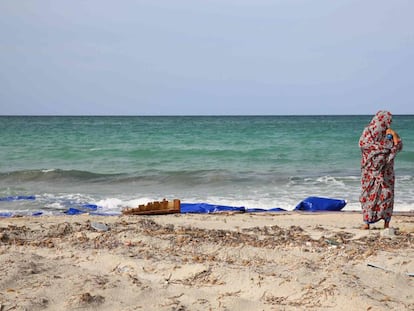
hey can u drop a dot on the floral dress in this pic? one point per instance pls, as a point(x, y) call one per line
point(377, 169)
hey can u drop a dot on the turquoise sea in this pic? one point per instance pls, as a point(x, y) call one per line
point(50, 164)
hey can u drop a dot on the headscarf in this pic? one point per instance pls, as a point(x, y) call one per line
point(374, 133)
point(373, 140)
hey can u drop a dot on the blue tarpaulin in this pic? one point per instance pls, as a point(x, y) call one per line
point(8, 214)
point(317, 204)
point(258, 210)
point(18, 197)
point(73, 211)
point(202, 208)
point(84, 208)
point(92, 207)
point(311, 204)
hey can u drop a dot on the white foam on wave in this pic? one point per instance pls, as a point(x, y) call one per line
point(49, 170)
point(398, 207)
point(330, 180)
point(116, 204)
point(109, 204)
point(263, 201)
point(404, 178)
point(257, 199)
point(55, 205)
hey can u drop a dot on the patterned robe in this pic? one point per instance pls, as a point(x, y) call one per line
point(377, 169)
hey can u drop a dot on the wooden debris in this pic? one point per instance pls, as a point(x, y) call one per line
point(155, 208)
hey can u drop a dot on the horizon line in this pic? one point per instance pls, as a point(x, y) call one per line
point(191, 115)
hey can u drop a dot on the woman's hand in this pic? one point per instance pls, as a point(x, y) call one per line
point(394, 134)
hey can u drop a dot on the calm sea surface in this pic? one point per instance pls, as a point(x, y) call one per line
point(251, 161)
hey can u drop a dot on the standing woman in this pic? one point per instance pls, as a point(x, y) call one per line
point(379, 144)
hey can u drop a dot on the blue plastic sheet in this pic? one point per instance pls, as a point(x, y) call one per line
point(317, 204)
point(18, 197)
point(311, 204)
point(8, 214)
point(258, 210)
point(84, 208)
point(73, 211)
point(92, 207)
point(202, 208)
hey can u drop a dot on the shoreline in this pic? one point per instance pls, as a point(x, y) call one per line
point(219, 261)
point(8, 214)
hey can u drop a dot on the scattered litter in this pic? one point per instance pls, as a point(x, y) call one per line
point(378, 267)
point(98, 226)
point(385, 269)
point(388, 232)
point(331, 242)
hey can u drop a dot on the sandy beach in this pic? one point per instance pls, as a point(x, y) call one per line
point(240, 261)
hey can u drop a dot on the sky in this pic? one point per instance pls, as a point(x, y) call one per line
point(206, 57)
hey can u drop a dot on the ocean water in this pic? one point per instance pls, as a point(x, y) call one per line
point(50, 164)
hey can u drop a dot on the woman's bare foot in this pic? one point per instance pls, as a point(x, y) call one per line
point(365, 227)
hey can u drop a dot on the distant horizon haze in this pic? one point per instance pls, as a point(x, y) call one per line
point(213, 57)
